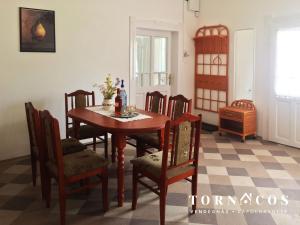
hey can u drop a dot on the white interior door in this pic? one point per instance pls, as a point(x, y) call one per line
point(285, 95)
point(244, 47)
point(152, 64)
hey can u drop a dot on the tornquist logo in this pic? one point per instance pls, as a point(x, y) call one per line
point(245, 199)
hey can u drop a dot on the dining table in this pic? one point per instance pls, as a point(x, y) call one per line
point(119, 129)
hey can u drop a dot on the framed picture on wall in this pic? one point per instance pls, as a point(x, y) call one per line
point(37, 30)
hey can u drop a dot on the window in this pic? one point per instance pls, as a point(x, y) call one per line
point(151, 60)
point(288, 63)
point(143, 59)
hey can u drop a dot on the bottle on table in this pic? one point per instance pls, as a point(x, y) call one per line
point(118, 103)
point(123, 97)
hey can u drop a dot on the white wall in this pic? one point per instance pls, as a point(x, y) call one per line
point(191, 25)
point(239, 14)
point(92, 39)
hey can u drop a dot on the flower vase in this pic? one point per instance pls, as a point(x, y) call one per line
point(107, 104)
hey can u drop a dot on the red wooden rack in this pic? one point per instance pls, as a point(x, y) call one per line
point(211, 67)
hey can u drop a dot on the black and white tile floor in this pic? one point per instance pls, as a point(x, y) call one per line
point(228, 169)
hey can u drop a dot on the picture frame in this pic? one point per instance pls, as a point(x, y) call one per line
point(37, 30)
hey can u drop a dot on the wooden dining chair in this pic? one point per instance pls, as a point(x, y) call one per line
point(68, 169)
point(155, 102)
point(69, 145)
point(79, 99)
point(177, 106)
point(177, 161)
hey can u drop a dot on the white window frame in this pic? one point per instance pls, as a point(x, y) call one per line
point(157, 34)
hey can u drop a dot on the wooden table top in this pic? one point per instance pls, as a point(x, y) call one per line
point(111, 125)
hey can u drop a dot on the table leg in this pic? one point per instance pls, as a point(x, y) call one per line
point(113, 149)
point(76, 126)
point(120, 142)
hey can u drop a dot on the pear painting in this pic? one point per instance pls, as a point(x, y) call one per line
point(37, 30)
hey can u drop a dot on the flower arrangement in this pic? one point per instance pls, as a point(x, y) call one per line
point(108, 89)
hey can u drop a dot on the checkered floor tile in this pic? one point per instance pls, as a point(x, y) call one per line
point(251, 183)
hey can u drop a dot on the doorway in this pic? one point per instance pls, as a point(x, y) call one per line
point(156, 49)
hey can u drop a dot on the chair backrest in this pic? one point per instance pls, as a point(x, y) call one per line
point(77, 99)
point(51, 140)
point(178, 105)
point(30, 124)
point(156, 102)
point(183, 136)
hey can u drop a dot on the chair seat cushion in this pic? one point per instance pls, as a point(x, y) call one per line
point(78, 163)
point(87, 131)
point(71, 145)
point(151, 139)
point(152, 164)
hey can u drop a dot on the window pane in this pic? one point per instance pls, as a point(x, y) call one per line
point(143, 54)
point(160, 54)
point(163, 79)
point(287, 64)
point(159, 79)
point(154, 79)
point(143, 79)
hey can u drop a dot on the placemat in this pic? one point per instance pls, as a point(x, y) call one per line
point(99, 109)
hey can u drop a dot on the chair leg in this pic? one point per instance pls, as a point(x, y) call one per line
point(42, 177)
point(106, 145)
point(94, 143)
point(140, 151)
point(113, 149)
point(194, 192)
point(48, 190)
point(33, 168)
point(105, 191)
point(162, 204)
point(134, 188)
point(62, 203)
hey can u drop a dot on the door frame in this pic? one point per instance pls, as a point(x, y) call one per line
point(177, 41)
point(277, 23)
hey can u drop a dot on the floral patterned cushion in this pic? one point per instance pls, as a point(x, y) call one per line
point(71, 145)
point(78, 163)
point(152, 164)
